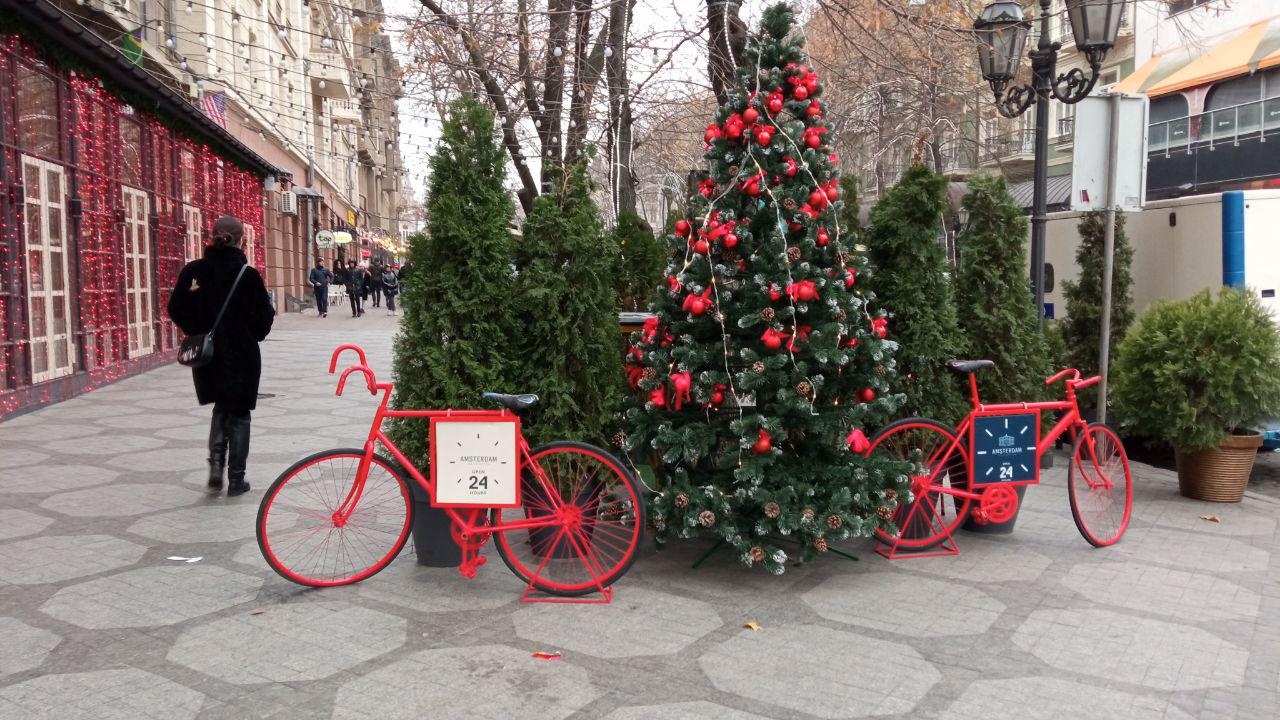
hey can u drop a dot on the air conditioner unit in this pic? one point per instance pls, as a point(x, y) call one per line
point(288, 203)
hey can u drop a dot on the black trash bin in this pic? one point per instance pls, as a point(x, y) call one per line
point(431, 537)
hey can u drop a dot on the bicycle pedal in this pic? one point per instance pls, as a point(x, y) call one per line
point(980, 517)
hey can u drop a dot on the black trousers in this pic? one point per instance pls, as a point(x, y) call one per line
point(357, 304)
point(229, 442)
point(391, 301)
point(377, 295)
point(322, 299)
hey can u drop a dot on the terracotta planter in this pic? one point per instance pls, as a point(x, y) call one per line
point(1218, 474)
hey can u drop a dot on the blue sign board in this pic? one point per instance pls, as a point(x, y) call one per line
point(1004, 448)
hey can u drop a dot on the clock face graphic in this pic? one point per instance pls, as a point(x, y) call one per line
point(474, 463)
point(1004, 448)
point(478, 480)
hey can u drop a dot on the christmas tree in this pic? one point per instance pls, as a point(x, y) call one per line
point(458, 327)
point(913, 277)
point(567, 301)
point(993, 295)
point(766, 366)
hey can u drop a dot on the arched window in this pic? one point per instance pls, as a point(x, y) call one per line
point(1169, 125)
point(1233, 108)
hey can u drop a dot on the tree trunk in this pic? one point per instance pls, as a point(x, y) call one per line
point(726, 44)
point(622, 183)
point(560, 12)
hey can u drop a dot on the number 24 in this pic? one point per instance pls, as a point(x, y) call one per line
point(479, 483)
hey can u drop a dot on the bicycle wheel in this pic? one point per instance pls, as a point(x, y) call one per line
point(304, 540)
point(595, 517)
point(923, 522)
point(1099, 486)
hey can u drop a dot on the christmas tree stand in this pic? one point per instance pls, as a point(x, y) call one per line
point(721, 544)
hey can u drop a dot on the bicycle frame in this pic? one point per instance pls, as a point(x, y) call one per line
point(467, 526)
point(1070, 422)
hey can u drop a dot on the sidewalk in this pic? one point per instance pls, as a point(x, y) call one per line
point(1179, 620)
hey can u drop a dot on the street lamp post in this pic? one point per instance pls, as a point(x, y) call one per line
point(1002, 32)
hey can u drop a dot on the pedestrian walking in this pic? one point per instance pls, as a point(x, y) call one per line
point(320, 277)
point(375, 284)
point(353, 278)
point(390, 287)
point(230, 380)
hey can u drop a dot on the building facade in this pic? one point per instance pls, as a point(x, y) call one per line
point(109, 184)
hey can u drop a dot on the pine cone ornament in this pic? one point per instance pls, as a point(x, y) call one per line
point(884, 512)
point(707, 518)
point(881, 370)
point(789, 203)
point(768, 314)
point(682, 500)
point(820, 545)
point(756, 553)
point(757, 367)
point(734, 170)
point(841, 315)
point(649, 373)
point(619, 439)
point(771, 510)
point(808, 513)
point(890, 494)
point(804, 389)
point(793, 254)
point(834, 522)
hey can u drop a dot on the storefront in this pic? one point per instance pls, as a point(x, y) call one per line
point(102, 204)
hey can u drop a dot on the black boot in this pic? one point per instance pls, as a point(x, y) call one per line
point(217, 449)
point(237, 453)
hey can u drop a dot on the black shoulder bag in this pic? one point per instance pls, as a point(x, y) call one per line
point(197, 350)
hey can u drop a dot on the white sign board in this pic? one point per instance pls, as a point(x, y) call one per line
point(474, 463)
point(1089, 153)
point(324, 240)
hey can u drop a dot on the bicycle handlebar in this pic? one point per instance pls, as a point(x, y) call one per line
point(337, 352)
point(370, 379)
point(1082, 384)
point(1075, 375)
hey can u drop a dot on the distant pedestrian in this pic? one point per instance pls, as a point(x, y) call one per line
point(375, 284)
point(230, 381)
point(390, 287)
point(320, 277)
point(354, 280)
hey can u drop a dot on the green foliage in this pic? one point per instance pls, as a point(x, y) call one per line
point(993, 296)
point(458, 325)
point(828, 373)
point(1056, 346)
point(567, 300)
point(1082, 328)
point(849, 220)
point(641, 259)
point(913, 278)
point(1192, 371)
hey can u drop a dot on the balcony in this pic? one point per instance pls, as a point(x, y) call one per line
point(1066, 131)
point(1204, 152)
point(1011, 151)
point(345, 111)
point(329, 74)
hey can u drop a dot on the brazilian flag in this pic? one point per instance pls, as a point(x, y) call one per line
point(132, 46)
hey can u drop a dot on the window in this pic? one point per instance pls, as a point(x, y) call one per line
point(187, 174)
point(1232, 108)
point(37, 112)
point(1177, 6)
point(131, 152)
point(46, 271)
point(195, 232)
point(137, 271)
point(1169, 124)
point(250, 243)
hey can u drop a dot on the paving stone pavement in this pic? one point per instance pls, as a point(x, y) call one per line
point(1180, 620)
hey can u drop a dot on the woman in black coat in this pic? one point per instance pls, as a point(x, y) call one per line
point(230, 382)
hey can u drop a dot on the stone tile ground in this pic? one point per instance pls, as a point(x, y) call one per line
point(1180, 620)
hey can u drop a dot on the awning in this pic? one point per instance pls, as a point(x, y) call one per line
point(1239, 52)
point(1057, 193)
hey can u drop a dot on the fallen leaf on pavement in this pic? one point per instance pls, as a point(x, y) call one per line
point(547, 655)
point(753, 625)
point(1211, 518)
point(257, 612)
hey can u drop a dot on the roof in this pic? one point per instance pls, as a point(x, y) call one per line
point(106, 61)
point(1057, 192)
point(1240, 52)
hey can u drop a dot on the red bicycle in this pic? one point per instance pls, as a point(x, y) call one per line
point(566, 516)
point(995, 449)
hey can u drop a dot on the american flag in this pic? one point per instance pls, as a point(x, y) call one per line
point(215, 106)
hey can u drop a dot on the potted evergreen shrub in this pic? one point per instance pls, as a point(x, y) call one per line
point(1194, 374)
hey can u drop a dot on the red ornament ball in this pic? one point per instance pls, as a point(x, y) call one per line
point(682, 227)
point(814, 109)
point(823, 237)
point(833, 192)
point(701, 247)
point(763, 138)
point(775, 103)
point(801, 93)
point(750, 115)
point(866, 395)
point(731, 240)
point(818, 199)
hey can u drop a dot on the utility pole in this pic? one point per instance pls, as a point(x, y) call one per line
point(1108, 252)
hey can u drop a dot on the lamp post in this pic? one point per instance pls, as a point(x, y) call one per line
point(1002, 31)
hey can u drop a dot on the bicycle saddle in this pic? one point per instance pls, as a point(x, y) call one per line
point(514, 403)
point(965, 367)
